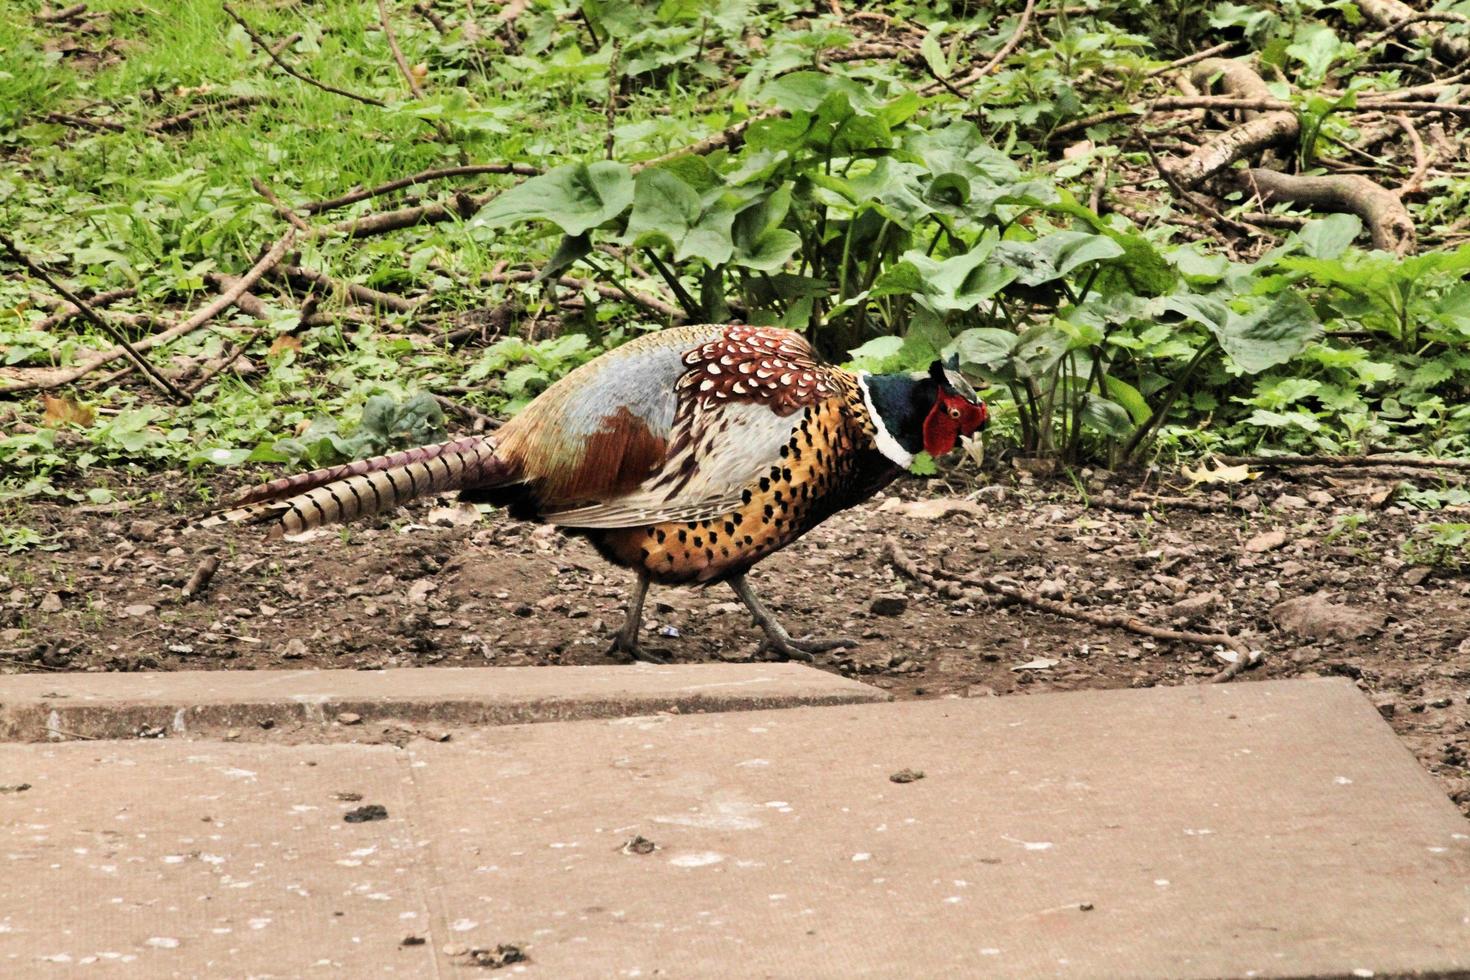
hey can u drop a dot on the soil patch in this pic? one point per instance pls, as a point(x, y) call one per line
point(427, 589)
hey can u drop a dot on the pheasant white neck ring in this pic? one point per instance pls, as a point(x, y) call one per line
point(887, 444)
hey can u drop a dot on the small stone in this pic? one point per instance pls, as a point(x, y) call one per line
point(295, 649)
point(1266, 541)
point(524, 611)
point(906, 776)
point(349, 718)
point(980, 691)
point(348, 797)
point(1085, 907)
point(1316, 617)
point(138, 610)
point(141, 530)
point(50, 603)
point(1250, 503)
point(638, 845)
point(1321, 498)
point(1417, 574)
point(889, 605)
point(412, 941)
point(1288, 501)
point(1196, 605)
point(364, 814)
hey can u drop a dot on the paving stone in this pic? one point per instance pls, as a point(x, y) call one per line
point(303, 703)
point(1275, 829)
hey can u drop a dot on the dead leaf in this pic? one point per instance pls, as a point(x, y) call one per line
point(933, 509)
point(1266, 541)
point(67, 410)
point(1040, 663)
point(1220, 474)
point(282, 344)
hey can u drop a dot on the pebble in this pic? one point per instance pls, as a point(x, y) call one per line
point(349, 718)
point(138, 610)
point(50, 603)
point(889, 605)
point(1266, 541)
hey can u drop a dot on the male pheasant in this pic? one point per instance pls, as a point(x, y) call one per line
point(686, 455)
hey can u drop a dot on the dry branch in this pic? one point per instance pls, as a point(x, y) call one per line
point(1394, 16)
point(123, 346)
point(201, 317)
point(365, 295)
point(352, 197)
point(275, 57)
point(185, 119)
point(729, 137)
point(650, 303)
point(1257, 133)
point(1385, 459)
point(908, 567)
point(66, 311)
point(1381, 210)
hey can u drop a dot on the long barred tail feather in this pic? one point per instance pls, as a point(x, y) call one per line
point(368, 486)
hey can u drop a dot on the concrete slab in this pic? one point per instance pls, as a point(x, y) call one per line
point(56, 707)
point(1272, 829)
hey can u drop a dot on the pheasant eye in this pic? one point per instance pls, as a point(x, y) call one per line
point(954, 413)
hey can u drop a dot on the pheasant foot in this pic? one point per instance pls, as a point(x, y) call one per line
point(777, 639)
point(625, 641)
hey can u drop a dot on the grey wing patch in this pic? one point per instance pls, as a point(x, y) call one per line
point(716, 456)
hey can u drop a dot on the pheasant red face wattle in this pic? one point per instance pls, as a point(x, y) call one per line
point(952, 417)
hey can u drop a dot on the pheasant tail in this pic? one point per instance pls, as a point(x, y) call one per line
point(368, 486)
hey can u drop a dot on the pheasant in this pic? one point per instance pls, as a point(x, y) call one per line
point(686, 455)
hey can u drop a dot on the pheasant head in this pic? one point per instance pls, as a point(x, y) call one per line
point(926, 412)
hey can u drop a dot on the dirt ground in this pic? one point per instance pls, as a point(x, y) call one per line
point(424, 588)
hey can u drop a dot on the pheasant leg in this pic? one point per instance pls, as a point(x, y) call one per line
point(626, 639)
point(776, 636)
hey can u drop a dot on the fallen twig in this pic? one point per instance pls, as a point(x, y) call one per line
point(66, 311)
point(275, 57)
point(68, 13)
point(201, 317)
point(291, 216)
point(468, 411)
point(650, 303)
point(1394, 16)
point(352, 197)
point(185, 119)
point(910, 568)
point(123, 345)
point(199, 581)
point(1382, 211)
point(365, 295)
point(729, 137)
point(1415, 183)
point(1385, 459)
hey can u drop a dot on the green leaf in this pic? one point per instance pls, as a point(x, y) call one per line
point(575, 198)
point(668, 210)
point(1107, 417)
point(1329, 237)
point(1055, 255)
point(877, 356)
point(1130, 398)
point(923, 465)
point(1270, 335)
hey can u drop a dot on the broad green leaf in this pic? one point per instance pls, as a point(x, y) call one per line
point(666, 209)
point(877, 356)
point(1329, 237)
point(1053, 256)
point(575, 198)
point(1130, 398)
point(1270, 335)
point(1107, 417)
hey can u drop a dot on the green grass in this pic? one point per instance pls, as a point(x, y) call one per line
point(158, 212)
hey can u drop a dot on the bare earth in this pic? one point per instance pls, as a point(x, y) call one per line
point(424, 590)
